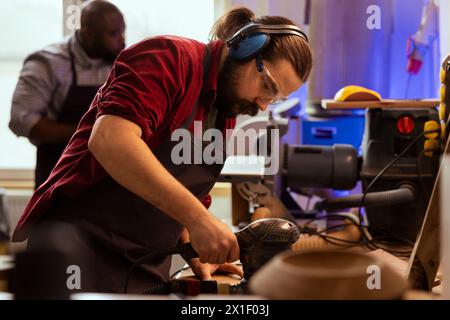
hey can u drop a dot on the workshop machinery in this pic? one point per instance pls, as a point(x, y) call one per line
point(395, 173)
point(397, 200)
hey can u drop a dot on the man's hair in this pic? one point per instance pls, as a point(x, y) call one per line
point(93, 11)
point(290, 47)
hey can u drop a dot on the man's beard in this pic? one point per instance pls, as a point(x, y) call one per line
point(106, 55)
point(227, 101)
point(109, 57)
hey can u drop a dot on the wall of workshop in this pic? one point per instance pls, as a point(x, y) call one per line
point(145, 18)
point(444, 26)
point(36, 24)
point(406, 16)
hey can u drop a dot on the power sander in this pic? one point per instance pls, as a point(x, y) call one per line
point(258, 242)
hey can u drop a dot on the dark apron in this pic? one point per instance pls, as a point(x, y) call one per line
point(122, 227)
point(75, 105)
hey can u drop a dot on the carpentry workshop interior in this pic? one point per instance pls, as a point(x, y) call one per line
point(224, 150)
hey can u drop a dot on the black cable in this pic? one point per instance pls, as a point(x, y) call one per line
point(376, 230)
point(178, 272)
point(419, 174)
point(338, 242)
point(336, 227)
point(419, 171)
point(331, 238)
point(388, 166)
point(159, 289)
point(338, 217)
point(149, 256)
point(306, 230)
point(374, 242)
point(361, 204)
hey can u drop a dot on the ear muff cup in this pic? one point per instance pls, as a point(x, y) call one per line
point(250, 47)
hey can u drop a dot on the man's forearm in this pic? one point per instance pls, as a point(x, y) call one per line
point(48, 131)
point(117, 145)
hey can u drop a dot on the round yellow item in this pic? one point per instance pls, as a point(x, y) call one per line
point(430, 146)
point(431, 126)
point(442, 93)
point(356, 93)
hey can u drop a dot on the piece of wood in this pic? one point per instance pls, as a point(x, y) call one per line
point(397, 264)
point(220, 278)
point(425, 258)
point(261, 213)
point(418, 295)
point(385, 103)
point(17, 184)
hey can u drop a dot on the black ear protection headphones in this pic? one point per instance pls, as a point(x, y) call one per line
point(251, 40)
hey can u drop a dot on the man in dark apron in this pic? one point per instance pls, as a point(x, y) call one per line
point(75, 105)
point(57, 84)
point(119, 181)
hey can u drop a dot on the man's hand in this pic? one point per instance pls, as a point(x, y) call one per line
point(51, 131)
point(205, 270)
point(213, 240)
point(117, 145)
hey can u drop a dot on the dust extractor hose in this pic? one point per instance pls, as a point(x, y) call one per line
point(403, 194)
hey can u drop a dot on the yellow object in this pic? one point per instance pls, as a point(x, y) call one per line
point(443, 128)
point(430, 146)
point(356, 93)
point(443, 74)
point(223, 288)
point(442, 111)
point(4, 248)
point(431, 126)
point(442, 93)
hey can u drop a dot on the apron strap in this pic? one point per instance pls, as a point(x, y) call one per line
point(72, 63)
point(74, 75)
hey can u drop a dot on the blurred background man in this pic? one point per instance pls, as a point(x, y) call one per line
point(57, 84)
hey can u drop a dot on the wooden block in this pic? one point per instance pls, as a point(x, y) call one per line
point(399, 265)
point(385, 103)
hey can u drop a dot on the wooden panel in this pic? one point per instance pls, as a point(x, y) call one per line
point(386, 103)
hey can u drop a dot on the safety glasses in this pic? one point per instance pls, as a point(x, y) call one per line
point(270, 86)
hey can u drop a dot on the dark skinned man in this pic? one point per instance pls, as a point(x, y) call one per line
point(57, 84)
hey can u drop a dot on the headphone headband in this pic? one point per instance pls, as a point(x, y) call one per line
point(253, 38)
point(280, 29)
